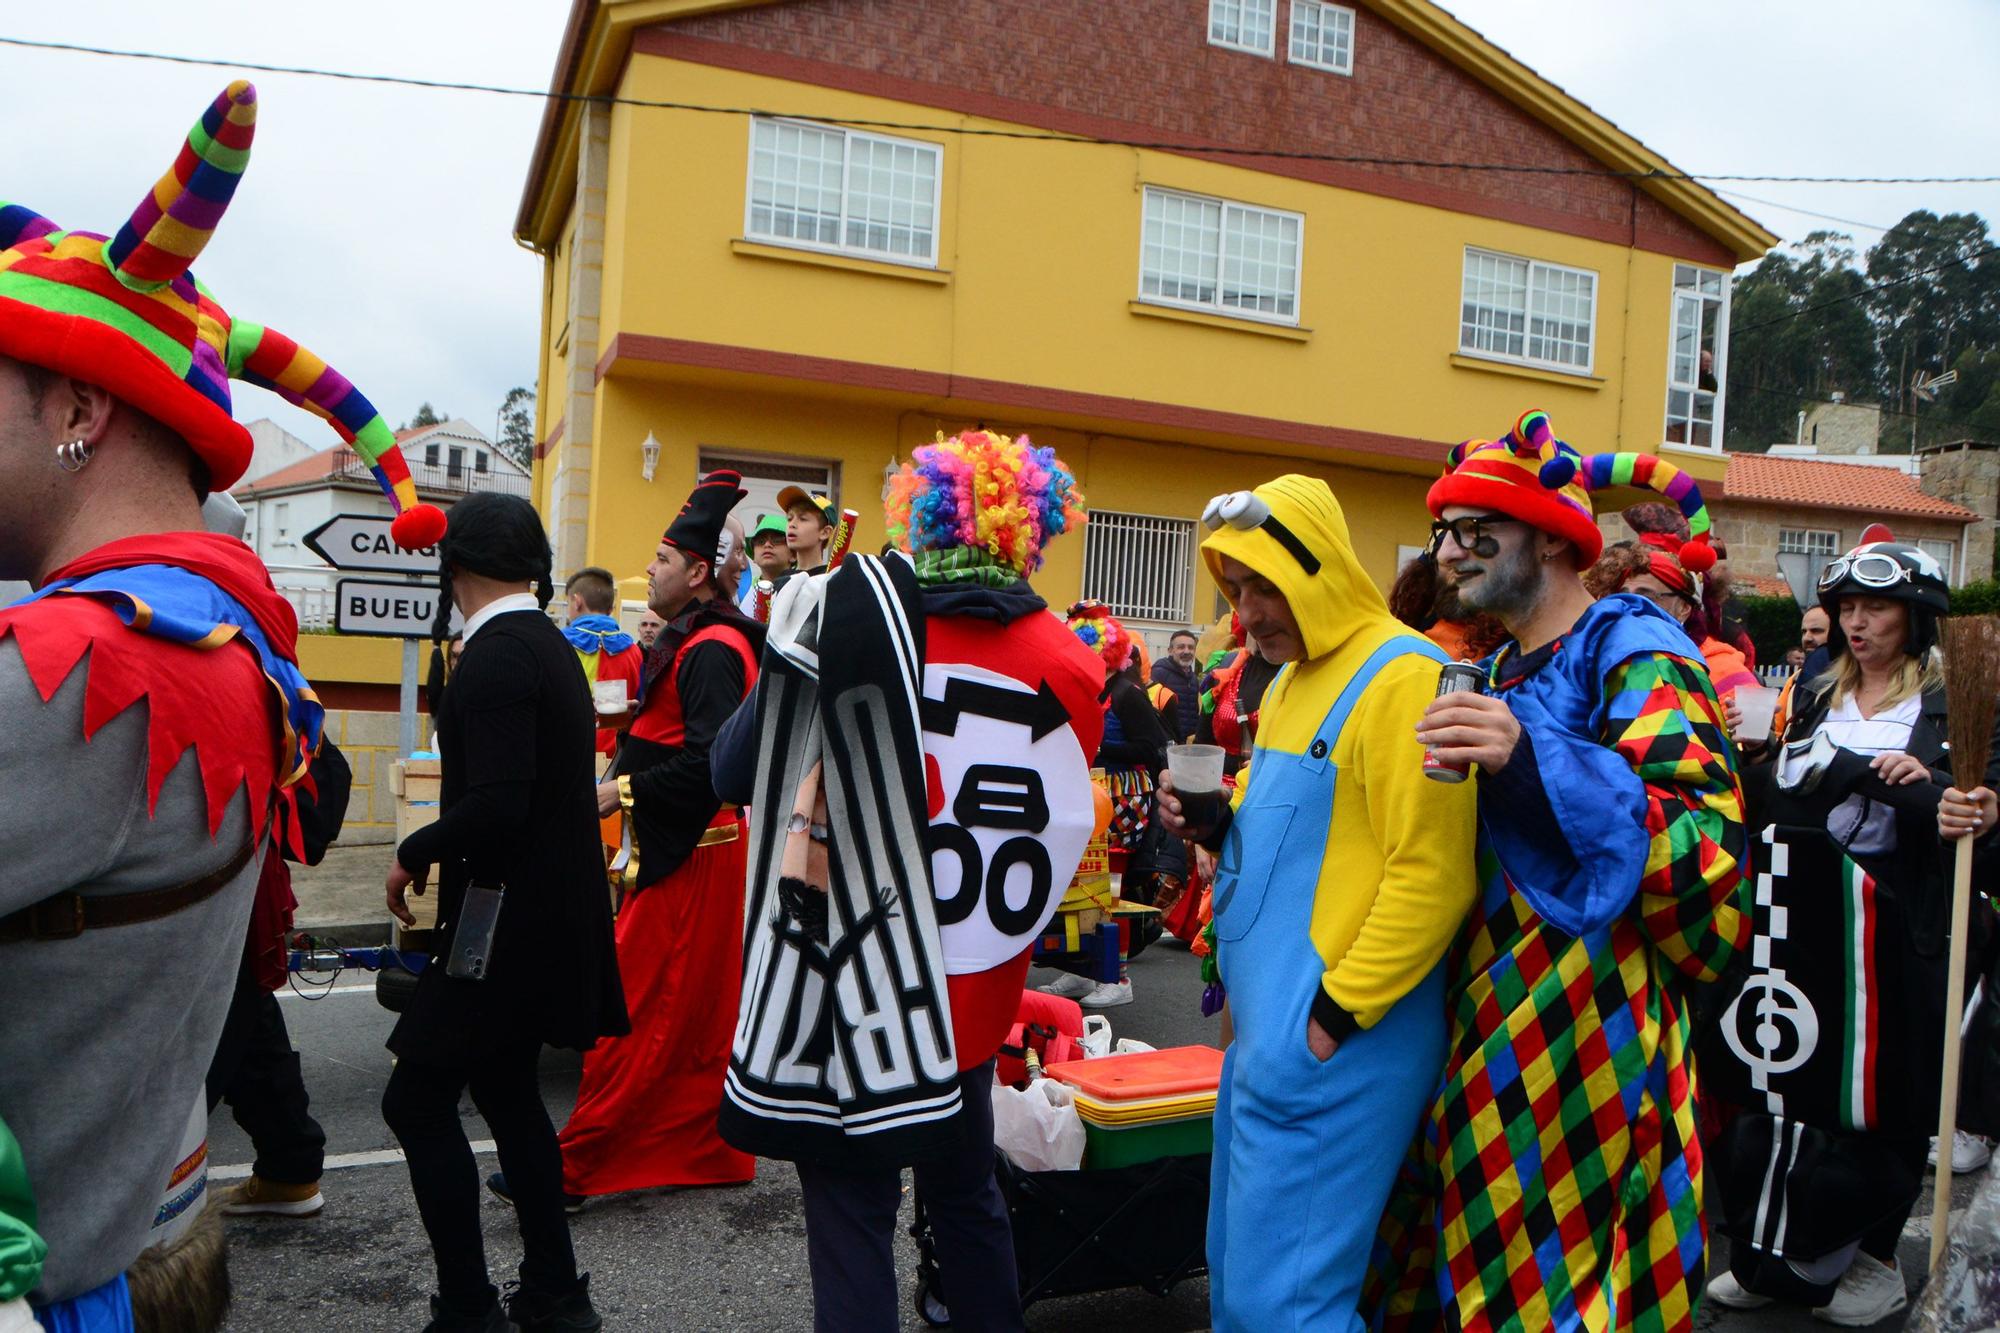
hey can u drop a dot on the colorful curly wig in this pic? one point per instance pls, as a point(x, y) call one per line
point(1102, 633)
point(984, 491)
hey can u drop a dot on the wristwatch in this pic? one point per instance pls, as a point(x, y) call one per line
point(800, 823)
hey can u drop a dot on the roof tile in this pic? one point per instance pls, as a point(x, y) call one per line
point(1858, 487)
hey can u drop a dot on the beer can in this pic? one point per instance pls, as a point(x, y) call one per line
point(1453, 678)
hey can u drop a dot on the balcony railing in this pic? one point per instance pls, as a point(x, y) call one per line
point(463, 479)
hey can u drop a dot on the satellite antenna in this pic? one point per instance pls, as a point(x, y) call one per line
point(1926, 386)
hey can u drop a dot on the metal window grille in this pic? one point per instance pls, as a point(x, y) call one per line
point(844, 190)
point(1323, 35)
point(1140, 565)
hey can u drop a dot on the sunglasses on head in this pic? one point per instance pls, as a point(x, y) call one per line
point(1871, 569)
point(1247, 511)
point(1470, 534)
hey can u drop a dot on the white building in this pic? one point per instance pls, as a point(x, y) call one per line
point(447, 461)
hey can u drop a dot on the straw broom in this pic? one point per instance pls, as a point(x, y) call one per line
point(1972, 692)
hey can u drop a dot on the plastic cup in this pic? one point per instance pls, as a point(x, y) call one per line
point(610, 695)
point(1757, 703)
point(1197, 774)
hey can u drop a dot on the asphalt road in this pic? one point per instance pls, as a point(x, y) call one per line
point(695, 1259)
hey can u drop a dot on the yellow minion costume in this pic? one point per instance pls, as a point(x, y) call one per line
point(1344, 876)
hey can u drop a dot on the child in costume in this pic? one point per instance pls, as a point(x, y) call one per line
point(1344, 874)
point(155, 712)
point(1556, 1183)
point(607, 652)
point(945, 721)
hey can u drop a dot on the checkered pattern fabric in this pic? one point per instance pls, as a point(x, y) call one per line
point(1556, 1183)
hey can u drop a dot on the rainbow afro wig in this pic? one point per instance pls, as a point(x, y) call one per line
point(1102, 633)
point(987, 492)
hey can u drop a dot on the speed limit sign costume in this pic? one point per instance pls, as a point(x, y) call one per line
point(1342, 878)
point(1556, 1183)
point(154, 719)
point(921, 744)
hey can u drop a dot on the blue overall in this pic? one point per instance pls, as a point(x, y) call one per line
point(1305, 1152)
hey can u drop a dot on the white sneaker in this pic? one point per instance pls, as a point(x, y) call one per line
point(1969, 1152)
point(1069, 986)
point(1109, 995)
point(1726, 1290)
point(1870, 1291)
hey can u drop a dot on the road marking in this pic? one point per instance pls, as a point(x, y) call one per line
point(312, 993)
point(342, 1161)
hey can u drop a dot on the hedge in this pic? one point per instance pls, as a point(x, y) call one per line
point(1773, 622)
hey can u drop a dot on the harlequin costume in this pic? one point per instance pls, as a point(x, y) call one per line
point(1343, 875)
point(157, 673)
point(608, 653)
point(951, 721)
point(645, 1111)
point(1556, 1183)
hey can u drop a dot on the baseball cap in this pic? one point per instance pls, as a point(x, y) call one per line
point(793, 496)
point(773, 524)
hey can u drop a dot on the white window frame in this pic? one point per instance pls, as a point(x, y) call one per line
point(1323, 11)
point(1948, 557)
point(848, 140)
point(1676, 296)
point(1217, 307)
point(1528, 313)
point(1149, 577)
point(1799, 541)
point(1219, 9)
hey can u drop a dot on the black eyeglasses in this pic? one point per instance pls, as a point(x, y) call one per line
point(1470, 534)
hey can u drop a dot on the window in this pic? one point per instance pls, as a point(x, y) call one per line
point(764, 475)
point(1230, 258)
point(1809, 541)
point(1246, 25)
point(281, 523)
point(430, 455)
point(843, 190)
point(454, 461)
point(479, 460)
point(1694, 359)
point(1323, 35)
point(1944, 552)
point(1524, 310)
point(1140, 565)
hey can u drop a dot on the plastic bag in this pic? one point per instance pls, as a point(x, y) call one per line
point(1096, 1039)
point(1038, 1127)
point(1131, 1046)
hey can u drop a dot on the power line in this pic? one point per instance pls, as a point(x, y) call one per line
point(908, 127)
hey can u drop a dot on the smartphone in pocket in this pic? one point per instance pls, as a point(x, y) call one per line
point(472, 937)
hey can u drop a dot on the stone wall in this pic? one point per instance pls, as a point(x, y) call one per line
point(1751, 532)
point(368, 740)
point(1843, 428)
point(1968, 474)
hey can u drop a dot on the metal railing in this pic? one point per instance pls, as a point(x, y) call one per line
point(464, 478)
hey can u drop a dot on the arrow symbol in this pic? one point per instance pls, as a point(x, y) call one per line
point(1042, 712)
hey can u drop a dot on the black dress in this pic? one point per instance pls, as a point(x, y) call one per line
point(516, 736)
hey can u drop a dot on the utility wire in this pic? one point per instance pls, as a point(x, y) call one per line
point(1868, 289)
point(1173, 146)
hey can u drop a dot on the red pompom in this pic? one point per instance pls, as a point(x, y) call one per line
point(418, 527)
point(1698, 557)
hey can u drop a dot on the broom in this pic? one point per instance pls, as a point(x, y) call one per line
point(1972, 692)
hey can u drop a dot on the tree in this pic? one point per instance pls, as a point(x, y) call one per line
point(517, 426)
point(426, 416)
point(1799, 333)
point(1935, 293)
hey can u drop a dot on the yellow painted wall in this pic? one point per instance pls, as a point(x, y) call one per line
point(1116, 473)
point(1041, 243)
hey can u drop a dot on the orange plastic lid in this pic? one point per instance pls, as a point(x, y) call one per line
point(1117, 1078)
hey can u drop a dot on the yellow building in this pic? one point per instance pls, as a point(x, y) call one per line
point(1073, 219)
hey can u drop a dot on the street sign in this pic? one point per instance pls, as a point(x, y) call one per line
point(361, 543)
point(387, 610)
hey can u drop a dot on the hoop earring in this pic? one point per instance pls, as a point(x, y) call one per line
point(75, 455)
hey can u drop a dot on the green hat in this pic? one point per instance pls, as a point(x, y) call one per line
point(771, 523)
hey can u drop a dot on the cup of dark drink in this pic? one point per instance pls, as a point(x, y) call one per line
point(1197, 774)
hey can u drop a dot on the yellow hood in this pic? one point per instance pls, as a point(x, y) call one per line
point(1330, 606)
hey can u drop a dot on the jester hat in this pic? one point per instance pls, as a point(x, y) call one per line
point(1531, 475)
point(127, 314)
point(980, 491)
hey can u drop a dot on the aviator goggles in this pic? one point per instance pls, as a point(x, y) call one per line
point(1871, 569)
point(1247, 511)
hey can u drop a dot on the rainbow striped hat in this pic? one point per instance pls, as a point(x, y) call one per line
point(127, 314)
point(1531, 475)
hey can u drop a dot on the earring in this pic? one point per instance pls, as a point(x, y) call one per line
point(75, 455)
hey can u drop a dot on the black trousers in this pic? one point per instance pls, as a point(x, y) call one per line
point(851, 1229)
point(257, 1072)
point(421, 1108)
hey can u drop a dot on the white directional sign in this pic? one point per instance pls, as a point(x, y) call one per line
point(387, 610)
point(361, 542)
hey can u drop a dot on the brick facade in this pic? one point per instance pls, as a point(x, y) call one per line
point(1145, 69)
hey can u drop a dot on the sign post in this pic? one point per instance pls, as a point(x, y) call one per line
point(400, 605)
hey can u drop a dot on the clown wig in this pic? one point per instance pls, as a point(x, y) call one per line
point(986, 492)
point(1102, 633)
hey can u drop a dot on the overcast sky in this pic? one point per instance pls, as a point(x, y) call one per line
point(375, 223)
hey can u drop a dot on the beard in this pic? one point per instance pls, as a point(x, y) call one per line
point(1506, 586)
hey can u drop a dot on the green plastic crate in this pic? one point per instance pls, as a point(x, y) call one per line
point(1104, 1149)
